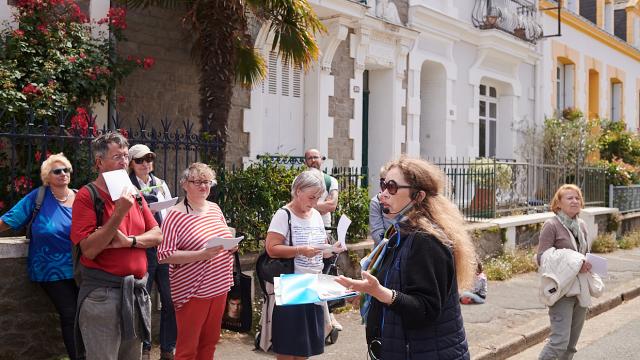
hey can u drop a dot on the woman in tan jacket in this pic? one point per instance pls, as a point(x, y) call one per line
point(565, 231)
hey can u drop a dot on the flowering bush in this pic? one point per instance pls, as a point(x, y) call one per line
point(51, 62)
point(619, 173)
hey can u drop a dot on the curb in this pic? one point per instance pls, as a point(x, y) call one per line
point(536, 336)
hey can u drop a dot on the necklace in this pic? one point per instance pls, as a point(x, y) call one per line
point(65, 198)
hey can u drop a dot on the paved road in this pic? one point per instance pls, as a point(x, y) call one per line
point(611, 335)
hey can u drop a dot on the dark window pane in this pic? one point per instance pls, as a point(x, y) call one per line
point(493, 110)
point(483, 90)
point(492, 92)
point(481, 141)
point(483, 108)
point(492, 138)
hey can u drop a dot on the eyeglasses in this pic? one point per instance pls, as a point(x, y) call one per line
point(392, 187)
point(147, 158)
point(120, 157)
point(315, 158)
point(59, 171)
point(201, 182)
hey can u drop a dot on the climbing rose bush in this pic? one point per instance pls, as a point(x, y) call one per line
point(51, 62)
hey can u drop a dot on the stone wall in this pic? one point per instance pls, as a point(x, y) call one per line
point(341, 105)
point(403, 9)
point(602, 221)
point(237, 139)
point(29, 322)
point(171, 88)
point(527, 236)
point(629, 224)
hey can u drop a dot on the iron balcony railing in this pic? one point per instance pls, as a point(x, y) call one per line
point(516, 17)
point(485, 189)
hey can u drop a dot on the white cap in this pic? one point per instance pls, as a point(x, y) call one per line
point(139, 150)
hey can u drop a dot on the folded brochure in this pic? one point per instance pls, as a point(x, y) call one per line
point(295, 289)
point(228, 243)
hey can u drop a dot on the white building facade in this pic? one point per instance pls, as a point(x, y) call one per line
point(413, 77)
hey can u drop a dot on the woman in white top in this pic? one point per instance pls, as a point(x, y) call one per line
point(155, 190)
point(297, 331)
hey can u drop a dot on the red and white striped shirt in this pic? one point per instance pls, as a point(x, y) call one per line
point(199, 279)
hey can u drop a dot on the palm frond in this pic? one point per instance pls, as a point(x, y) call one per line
point(295, 25)
point(250, 65)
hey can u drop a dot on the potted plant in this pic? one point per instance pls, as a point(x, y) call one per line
point(488, 176)
point(492, 18)
point(520, 32)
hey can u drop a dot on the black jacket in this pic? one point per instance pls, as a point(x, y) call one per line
point(425, 321)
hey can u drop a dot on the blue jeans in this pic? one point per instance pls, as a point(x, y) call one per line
point(160, 274)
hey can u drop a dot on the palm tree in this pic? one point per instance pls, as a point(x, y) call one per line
point(225, 50)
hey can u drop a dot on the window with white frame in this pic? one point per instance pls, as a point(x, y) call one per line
point(283, 107)
point(564, 86)
point(616, 101)
point(488, 116)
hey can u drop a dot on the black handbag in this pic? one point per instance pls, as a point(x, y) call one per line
point(267, 267)
point(238, 311)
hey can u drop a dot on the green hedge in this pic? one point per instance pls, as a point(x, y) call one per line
point(249, 198)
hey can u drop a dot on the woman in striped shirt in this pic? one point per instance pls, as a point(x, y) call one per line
point(200, 277)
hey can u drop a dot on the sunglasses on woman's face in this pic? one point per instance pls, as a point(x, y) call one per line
point(392, 187)
point(146, 158)
point(59, 171)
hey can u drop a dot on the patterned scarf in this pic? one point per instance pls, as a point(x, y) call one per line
point(574, 227)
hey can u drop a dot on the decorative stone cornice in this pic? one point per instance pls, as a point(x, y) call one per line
point(337, 31)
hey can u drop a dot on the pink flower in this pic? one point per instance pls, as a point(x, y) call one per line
point(82, 55)
point(31, 89)
point(22, 184)
point(148, 62)
point(80, 121)
point(123, 132)
point(72, 59)
point(18, 34)
point(38, 156)
point(43, 29)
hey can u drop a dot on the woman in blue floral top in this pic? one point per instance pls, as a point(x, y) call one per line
point(50, 262)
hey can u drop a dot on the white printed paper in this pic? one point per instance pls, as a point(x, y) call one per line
point(227, 243)
point(321, 246)
point(598, 264)
point(343, 226)
point(161, 205)
point(117, 181)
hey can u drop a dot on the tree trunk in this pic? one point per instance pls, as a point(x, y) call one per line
point(220, 21)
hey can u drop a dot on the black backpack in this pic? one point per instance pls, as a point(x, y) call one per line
point(98, 208)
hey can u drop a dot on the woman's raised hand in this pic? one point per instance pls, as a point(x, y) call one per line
point(369, 283)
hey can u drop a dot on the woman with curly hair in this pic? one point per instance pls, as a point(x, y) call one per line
point(413, 310)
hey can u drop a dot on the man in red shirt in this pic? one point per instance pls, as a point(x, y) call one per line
point(114, 306)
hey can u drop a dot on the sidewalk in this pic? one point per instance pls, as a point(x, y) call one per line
point(511, 320)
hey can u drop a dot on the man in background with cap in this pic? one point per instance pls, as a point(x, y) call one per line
point(155, 190)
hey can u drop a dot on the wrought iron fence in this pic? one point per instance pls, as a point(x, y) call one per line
point(25, 143)
point(625, 198)
point(485, 189)
point(516, 17)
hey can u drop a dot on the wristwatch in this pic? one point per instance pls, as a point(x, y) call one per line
point(133, 241)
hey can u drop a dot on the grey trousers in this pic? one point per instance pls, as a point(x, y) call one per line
point(101, 330)
point(567, 318)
